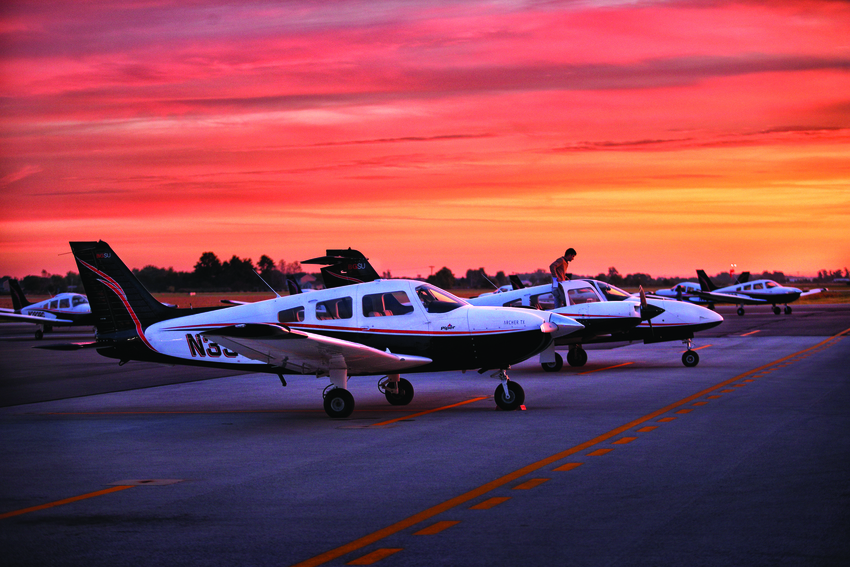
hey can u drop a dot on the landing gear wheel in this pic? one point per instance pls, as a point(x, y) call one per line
point(339, 403)
point(404, 396)
point(39, 334)
point(511, 401)
point(787, 309)
point(776, 310)
point(740, 311)
point(690, 358)
point(577, 357)
point(553, 366)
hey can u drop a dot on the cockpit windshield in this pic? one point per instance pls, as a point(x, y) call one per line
point(436, 300)
point(612, 292)
point(769, 284)
point(79, 300)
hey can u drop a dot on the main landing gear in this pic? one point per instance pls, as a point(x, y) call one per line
point(551, 361)
point(509, 395)
point(398, 391)
point(690, 358)
point(777, 311)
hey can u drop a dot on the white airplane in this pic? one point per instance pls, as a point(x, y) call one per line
point(62, 310)
point(757, 292)
point(689, 291)
point(380, 327)
point(609, 314)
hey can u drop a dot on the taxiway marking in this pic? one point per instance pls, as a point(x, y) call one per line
point(751, 333)
point(606, 368)
point(65, 501)
point(528, 469)
point(429, 411)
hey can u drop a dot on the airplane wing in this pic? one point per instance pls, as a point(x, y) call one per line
point(6, 316)
point(307, 353)
point(739, 299)
point(814, 291)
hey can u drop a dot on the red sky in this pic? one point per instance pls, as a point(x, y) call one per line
point(656, 137)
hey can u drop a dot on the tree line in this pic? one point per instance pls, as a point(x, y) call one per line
point(210, 274)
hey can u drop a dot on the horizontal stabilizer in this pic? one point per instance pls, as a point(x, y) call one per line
point(70, 346)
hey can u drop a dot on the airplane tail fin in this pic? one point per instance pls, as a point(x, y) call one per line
point(120, 304)
point(516, 282)
point(19, 300)
point(705, 282)
point(346, 267)
point(743, 278)
point(293, 286)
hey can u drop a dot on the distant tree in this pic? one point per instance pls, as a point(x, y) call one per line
point(238, 274)
point(208, 270)
point(501, 279)
point(444, 278)
point(614, 276)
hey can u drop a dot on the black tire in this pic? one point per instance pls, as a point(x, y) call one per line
point(787, 309)
point(512, 401)
point(776, 310)
point(39, 334)
point(690, 358)
point(553, 366)
point(404, 396)
point(577, 357)
point(741, 311)
point(339, 403)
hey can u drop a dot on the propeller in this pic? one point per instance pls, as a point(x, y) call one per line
point(647, 311)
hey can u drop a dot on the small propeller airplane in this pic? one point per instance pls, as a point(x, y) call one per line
point(757, 292)
point(609, 314)
point(689, 291)
point(379, 327)
point(62, 310)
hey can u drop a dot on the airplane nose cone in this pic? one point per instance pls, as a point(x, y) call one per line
point(560, 325)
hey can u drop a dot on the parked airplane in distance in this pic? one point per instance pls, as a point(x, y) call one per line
point(689, 291)
point(757, 292)
point(380, 327)
point(62, 310)
point(609, 314)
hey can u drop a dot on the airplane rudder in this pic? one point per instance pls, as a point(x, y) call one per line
point(19, 300)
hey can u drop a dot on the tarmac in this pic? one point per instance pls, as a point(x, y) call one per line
point(632, 459)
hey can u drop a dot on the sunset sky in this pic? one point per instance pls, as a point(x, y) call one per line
point(656, 137)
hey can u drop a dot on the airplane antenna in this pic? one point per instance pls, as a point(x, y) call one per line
point(488, 279)
point(265, 282)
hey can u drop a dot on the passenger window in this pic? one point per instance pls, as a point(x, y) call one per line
point(543, 301)
point(64, 303)
point(514, 303)
point(582, 295)
point(748, 286)
point(293, 315)
point(758, 286)
point(334, 309)
point(54, 304)
point(386, 304)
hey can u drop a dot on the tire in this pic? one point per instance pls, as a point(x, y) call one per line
point(776, 310)
point(553, 366)
point(690, 358)
point(339, 403)
point(577, 357)
point(514, 399)
point(741, 311)
point(404, 396)
point(787, 309)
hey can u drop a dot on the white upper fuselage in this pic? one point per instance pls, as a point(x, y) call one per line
point(399, 315)
point(64, 308)
point(767, 290)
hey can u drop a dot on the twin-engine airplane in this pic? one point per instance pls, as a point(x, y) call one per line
point(609, 314)
point(62, 310)
point(380, 327)
point(757, 292)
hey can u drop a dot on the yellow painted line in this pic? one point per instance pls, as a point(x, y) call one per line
point(698, 348)
point(599, 452)
point(429, 513)
point(434, 529)
point(490, 503)
point(606, 368)
point(751, 333)
point(568, 467)
point(534, 482)
point(428, 411)
point(65, 501)
point(647, 429)
point(375, 556)
point(624, 440)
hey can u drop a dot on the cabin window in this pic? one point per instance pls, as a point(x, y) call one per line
point(54, 304)
point(293, 315)
point(543, 301)
point(386, 304)
point(758, 286)
point(770, 284)
point(582, 295)
point(748, 287)
point(435, 300)
point(514, 303)
point(334, 309)
point(64, 303)
point(612, 292)
point(79, 300)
